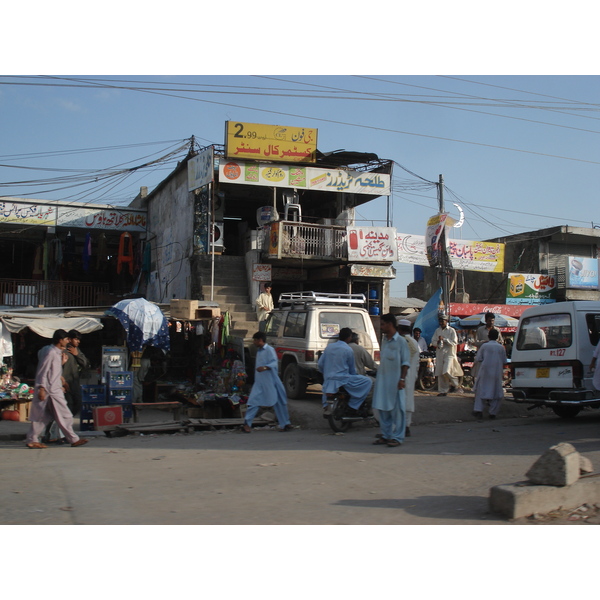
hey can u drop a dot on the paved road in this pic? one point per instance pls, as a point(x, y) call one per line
point(441, 475)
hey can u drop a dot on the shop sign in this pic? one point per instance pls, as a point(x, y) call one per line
point(379, 271)
point(88, 218)
point(261, 272)
point(304, 178)
point(201, 169)
point(582, 273)
point(34, 214)
point(458, 309)
point(372, 244)
point(530, 289)
point(466, 255)
point(271, 142)
point(289, 274)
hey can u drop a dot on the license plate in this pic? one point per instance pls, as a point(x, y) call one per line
point(543, 372)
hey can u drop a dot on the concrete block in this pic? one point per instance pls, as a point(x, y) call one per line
point(559, 465)
point(523, 499)
point(585, 465)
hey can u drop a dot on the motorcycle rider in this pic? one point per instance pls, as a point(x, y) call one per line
point(339, 369)
point(420, 340)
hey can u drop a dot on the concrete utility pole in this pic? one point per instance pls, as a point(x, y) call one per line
point(443, 266)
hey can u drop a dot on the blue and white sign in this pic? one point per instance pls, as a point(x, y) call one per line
point(201, 169)
point(582, 273)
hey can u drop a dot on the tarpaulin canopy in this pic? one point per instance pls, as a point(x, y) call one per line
point(46, 326)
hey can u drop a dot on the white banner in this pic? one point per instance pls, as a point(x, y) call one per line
point(375, 244)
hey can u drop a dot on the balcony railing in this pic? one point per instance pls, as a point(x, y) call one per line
point(291, 239)
point(34, 292)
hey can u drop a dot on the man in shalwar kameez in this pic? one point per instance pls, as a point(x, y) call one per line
point(267, 391)
point(488, 386)
point(48, 397)
point(411, 377)
point(389, 397)
point(339, 370)
point(447, 367)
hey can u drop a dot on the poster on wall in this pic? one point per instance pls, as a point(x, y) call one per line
point(529, 288)
point(377, 244)
point(261, 272)
point(582, 273)
point(271, 142)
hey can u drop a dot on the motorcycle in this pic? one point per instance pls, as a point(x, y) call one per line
point(426, 378)
point(467, 361)
point(340, 416)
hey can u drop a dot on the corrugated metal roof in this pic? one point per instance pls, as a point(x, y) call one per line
point(406, 303)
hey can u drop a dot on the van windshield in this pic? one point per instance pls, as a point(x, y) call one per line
point(330, 323)
point(545, 331)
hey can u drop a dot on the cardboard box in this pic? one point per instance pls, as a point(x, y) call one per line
point(183, 309)
point(207, 312)
point(107, 417)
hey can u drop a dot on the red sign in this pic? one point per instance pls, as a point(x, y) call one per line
point(466, 310)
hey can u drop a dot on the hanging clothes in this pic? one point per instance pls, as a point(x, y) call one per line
point(101, 251)
point(87, 252)
point(69, 252)
point(125, 252)
point(38, 263)
point(55, 258)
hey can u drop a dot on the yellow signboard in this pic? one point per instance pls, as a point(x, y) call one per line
point(270, 142)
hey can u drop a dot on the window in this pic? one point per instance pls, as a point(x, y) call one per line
point(330, 323)
point(274, 322)
point(545, 331)
point(295, 325)
point(593, 323)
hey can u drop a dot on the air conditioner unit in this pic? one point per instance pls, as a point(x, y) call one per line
point(219, 234)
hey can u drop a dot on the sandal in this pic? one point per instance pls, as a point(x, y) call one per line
point(36, 446)
point(394, 443)
point(245, 428)
point(380, 442)
point(79, 442)
point(288, 427)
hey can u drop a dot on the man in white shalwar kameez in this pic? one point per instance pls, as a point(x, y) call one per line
point(488, 387)
point(339, 369)
point(389, 395)
point(447, 367)
point(413, 371)
point(267, 391)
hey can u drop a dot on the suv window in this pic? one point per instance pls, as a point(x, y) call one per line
point(275, 319)
point(545, 331)
point(330, 323)
point(295, 325)
point(593, 323)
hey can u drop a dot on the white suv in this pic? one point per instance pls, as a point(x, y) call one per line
point(305, 323)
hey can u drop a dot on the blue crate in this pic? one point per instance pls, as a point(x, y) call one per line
point(93, 394)
point(86, 418)
point(119, 380)
point(119, 396)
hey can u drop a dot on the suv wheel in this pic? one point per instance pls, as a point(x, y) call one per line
point(294, 383)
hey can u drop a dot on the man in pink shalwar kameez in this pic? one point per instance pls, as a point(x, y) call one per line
point(49, 399)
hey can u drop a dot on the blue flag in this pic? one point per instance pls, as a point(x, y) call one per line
point(428, 321)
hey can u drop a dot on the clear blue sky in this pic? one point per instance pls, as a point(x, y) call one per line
point(517, 152)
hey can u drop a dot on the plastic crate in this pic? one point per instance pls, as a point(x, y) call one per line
point(119, 396)
point(86, 417)
point(119, 380)
point(92, 394)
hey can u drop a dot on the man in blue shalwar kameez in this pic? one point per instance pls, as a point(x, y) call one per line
point(267, 389)
point(388, 396)
point(339, 369)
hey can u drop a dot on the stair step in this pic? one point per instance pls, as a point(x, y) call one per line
point(225, 289)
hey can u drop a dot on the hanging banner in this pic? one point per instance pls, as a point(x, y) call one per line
point(582, 273)
point(372, 244)
point(304, 178)
point(34, 214)
point(274, 142)
point(466, 255)
point(201, 169)
point(433, 242)
point(530, 289)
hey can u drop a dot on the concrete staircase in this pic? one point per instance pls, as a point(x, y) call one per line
point(231, 292)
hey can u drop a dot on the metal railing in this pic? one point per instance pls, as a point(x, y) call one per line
point(34, 292)
point(307, 240)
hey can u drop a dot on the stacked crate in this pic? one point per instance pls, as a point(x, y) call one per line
point(91, 397)
point(119, 390)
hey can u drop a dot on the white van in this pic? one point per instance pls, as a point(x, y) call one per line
point(551, 356)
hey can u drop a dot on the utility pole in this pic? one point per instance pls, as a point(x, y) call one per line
point(443, 266)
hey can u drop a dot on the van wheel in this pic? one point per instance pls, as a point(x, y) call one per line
point(294, 383)
point(566, 412)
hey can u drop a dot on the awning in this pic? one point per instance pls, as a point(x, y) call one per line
point(46, 326)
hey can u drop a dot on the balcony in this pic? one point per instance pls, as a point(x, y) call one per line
point(292, 239)
point(34, 292)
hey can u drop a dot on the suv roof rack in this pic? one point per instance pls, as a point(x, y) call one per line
point(289, 298)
